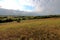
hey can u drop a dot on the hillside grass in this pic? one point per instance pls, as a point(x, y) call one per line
point(37, 29)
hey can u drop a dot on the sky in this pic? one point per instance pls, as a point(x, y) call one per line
point(24, 5)
point(47, 6)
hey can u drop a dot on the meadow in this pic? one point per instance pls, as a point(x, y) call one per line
point(36, 29)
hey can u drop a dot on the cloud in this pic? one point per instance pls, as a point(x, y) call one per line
point(50, 6)
point(41, 6)
point(9, 4)
point(21, 5)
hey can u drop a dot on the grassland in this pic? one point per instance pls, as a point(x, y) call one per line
point(37, 29)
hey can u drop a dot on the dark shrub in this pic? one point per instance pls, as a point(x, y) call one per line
point(18, 20)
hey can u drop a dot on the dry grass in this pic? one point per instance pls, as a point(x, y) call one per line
point(39, 29)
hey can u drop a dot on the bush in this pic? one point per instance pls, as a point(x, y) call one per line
point(19, 20)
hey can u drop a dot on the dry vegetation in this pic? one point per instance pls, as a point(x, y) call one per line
point(37, 29)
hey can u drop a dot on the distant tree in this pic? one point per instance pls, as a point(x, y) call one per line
point(8, 20)
point(19, 20)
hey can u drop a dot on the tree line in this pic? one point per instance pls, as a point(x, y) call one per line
point(4, 19)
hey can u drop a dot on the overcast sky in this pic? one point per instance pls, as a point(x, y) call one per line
point(47, 6)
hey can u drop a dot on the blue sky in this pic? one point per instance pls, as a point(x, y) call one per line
point(28, 7)
point(47, 6)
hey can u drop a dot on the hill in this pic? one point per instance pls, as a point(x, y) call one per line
point(38, 29)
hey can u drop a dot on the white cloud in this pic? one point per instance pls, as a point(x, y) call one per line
point(19, 4)
point(9, 4)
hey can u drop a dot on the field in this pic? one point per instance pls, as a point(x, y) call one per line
point(36, 29)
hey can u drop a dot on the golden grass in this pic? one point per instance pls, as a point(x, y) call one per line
point(39, 29)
